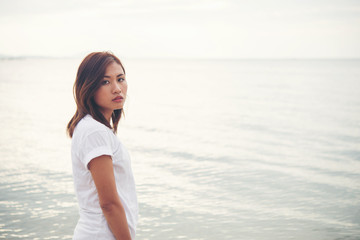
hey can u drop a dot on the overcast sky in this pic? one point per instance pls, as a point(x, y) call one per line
point(182, 28)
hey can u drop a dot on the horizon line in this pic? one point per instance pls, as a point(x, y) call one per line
point(18, 57)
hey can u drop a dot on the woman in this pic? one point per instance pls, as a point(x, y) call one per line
point(103, 179)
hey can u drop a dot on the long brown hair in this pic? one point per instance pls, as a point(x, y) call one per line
point(88, 79)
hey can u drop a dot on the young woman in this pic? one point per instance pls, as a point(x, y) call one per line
point(103, 179)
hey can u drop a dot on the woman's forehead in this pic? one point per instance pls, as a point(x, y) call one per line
point(114, 69)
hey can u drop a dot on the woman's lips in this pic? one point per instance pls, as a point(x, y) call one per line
point(118, 99)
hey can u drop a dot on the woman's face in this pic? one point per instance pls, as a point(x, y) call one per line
point(112, 92)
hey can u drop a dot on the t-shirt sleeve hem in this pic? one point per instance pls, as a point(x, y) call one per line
point(97, 152)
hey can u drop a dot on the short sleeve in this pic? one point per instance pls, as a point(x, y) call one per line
point(94, 145)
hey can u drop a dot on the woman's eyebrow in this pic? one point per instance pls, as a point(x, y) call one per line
point(116, 76)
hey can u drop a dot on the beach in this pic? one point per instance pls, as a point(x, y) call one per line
point(220, 149)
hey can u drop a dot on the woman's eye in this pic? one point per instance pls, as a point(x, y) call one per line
point(121, 79)
point(104, 82)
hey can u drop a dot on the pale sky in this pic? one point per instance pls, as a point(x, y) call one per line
point(182, 28)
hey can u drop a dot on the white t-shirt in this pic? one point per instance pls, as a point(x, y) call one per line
point(92, 139)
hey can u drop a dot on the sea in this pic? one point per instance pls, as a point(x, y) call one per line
point(239, 149)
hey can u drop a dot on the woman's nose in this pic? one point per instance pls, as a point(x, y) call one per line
point(117, 88)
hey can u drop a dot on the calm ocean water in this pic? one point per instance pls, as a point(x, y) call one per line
point(232, 149)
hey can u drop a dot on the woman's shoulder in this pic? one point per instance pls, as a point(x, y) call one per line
point(88, 125)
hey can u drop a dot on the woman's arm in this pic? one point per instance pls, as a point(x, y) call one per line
point(101, 169)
